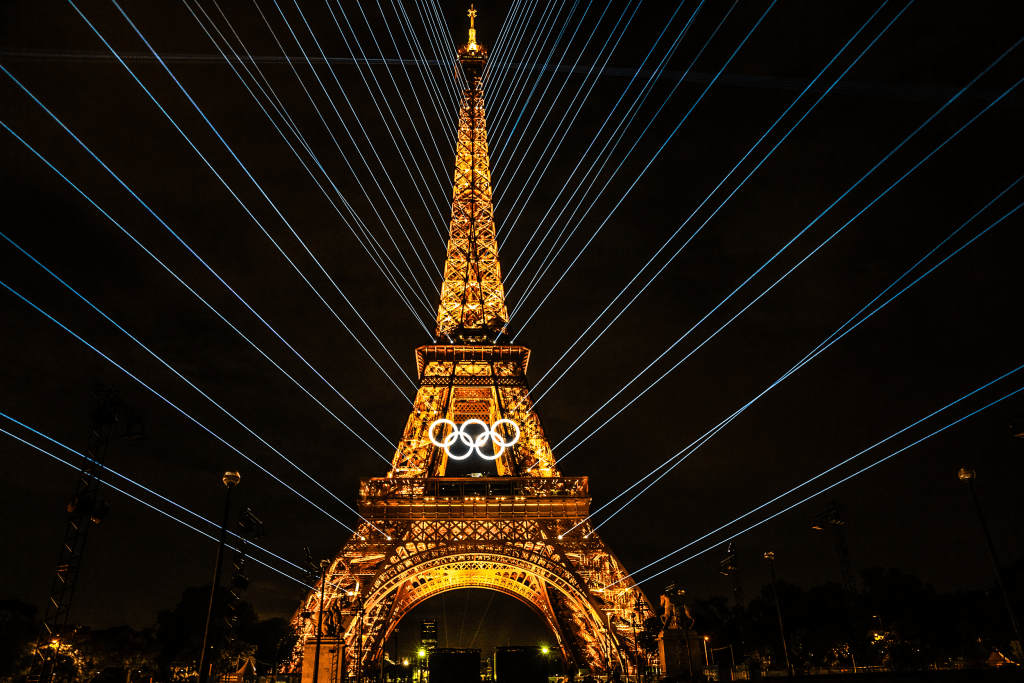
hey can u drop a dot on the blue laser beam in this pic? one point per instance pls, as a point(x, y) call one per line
point(499, 125)
point(713, 191)
point(495, 65)
point(367, 238)
point(190, 250)
point(943, 107)
point(565, 118)
point(608, 148)
point(831, 339)
point(497, 75)
point(421, 294)
point(535, 42)
point(498, 48)
point(826, 241)
point(429, 81)
point(827, 488)
point(245, 169)
point(164, 513)
point(536, 81)
point(110, 470)
point(536, 280)
point(559, 139)
point(408, 148)
point(434, 91)
point(168, 402)
point(612, 141)
point(182, 377)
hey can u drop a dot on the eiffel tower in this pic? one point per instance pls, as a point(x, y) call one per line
point(522, 531)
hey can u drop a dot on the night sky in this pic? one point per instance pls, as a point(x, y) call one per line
point(956, 330)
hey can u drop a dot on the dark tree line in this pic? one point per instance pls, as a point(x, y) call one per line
point(166, 651)
point(895, 621)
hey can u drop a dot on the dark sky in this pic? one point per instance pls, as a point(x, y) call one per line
point(957, 329)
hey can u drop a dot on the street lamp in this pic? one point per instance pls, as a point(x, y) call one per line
point(707, 662)
point(770, 556)
point(422, 653)
point(230, 480)
point(967, 477)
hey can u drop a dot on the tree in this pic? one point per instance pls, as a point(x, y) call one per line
point(114, 654)
point(18, 629)
point(273, 638)
point(180, 631)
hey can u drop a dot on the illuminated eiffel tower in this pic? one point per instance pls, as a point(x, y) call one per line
point(521, 531)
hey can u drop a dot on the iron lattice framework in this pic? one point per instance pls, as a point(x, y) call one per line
point(472, 296)
point(524, 533)
point(85, 509)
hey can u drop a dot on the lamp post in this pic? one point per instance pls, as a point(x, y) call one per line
point(230, 480)
point(967, 476)
point(707, 661)
point(422, 653)
point(770, 556)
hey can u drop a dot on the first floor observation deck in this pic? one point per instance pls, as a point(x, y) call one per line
point(382, 498)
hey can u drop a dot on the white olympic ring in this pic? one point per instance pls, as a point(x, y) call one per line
point(458, 433)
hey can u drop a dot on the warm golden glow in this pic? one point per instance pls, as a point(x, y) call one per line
point(472, 296)
point(525, 534)
point(471, 46)
point(482, 382)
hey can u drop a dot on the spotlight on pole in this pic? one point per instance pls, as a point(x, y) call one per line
point(967, 476)
point(230, 480)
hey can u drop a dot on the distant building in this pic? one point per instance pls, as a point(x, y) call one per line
point(428, 634)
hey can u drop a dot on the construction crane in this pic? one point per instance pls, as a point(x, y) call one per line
point(84, 510)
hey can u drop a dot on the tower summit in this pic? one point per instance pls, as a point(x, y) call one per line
point(437, 522)
point(472, 307)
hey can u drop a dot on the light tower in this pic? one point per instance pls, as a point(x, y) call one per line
point(525, 531)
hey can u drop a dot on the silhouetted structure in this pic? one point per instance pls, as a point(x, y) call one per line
point(831, 518)
point(520, 664)
point(454, 665)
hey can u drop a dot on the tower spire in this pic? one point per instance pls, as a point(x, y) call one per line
point(472, 307)
point(471, 46)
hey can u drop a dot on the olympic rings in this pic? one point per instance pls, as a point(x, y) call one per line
point(458, 433)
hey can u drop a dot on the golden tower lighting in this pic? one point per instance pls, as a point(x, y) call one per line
point(523, 533)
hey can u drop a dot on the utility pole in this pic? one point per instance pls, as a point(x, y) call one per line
point(85, 508)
